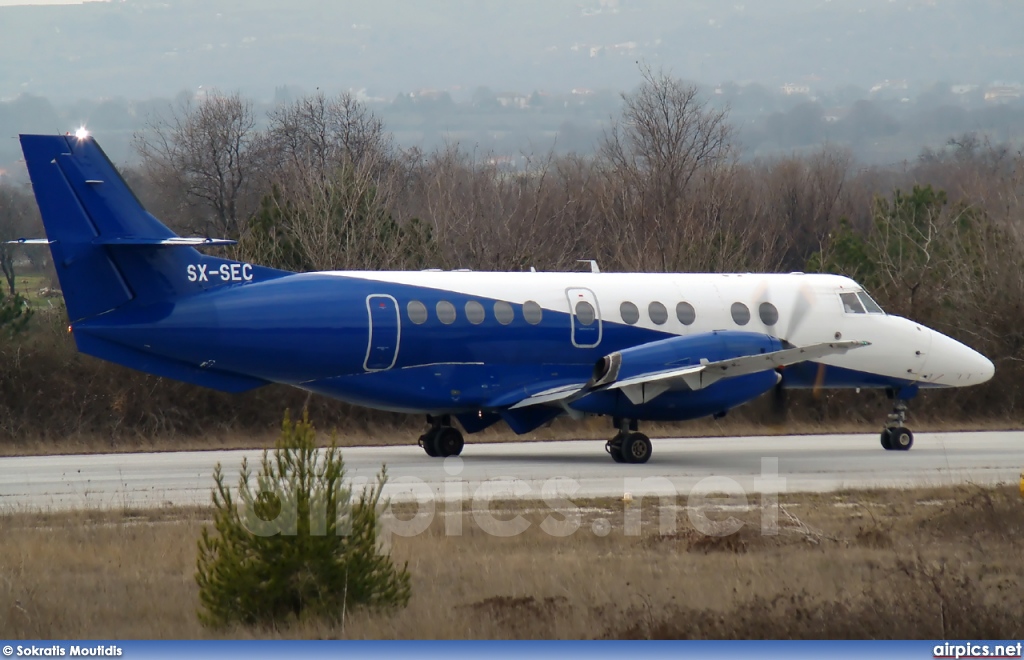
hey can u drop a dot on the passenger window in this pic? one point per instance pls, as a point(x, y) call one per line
point(851, 303)
point(585, 312)
point(446, 312)
point(475, 312)
point(657, 312)
point(629, 312)
point(417, 312)
point(769, 313)
point(869, 303)
point(686, 313)
point(504, 312)
point(532, 312)
point(740, 313)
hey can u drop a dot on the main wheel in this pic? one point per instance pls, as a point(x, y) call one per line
point(901, 439)
point(449, 442)
point(887, 439)
point(427, 441)
point(614, 449)
point(636, 448)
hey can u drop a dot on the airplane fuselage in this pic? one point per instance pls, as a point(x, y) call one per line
point(430, 341)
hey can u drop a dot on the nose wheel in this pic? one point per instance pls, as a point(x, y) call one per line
point(897, 437)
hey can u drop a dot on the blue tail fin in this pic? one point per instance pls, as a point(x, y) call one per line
point(107, 249)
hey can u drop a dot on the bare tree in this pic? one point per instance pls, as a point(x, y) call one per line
point(212, 146)
point(322, 133)
point(335, 179)
point(16, 210)
point(667, 143)
point(333, 220)
point(490, 212)
point(802, 200)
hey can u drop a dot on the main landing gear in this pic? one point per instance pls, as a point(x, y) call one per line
point(443, 439)
point(629, 445)
point(897, 437)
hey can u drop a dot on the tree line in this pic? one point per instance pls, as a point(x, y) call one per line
point(320, 184)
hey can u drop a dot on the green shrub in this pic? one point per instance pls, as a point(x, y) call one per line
point(299, 543)
point(14, 314)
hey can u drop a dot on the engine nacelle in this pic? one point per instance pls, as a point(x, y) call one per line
point(679, 352)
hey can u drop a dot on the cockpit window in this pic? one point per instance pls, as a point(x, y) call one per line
point(851, 303)
point(870, 304)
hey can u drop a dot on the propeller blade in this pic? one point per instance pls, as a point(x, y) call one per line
point(819, 380)
point(780, 406)
point(763, 294)
point(801, 311)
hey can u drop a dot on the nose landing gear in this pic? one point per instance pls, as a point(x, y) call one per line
point(897, 437)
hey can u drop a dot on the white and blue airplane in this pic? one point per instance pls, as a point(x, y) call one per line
point(476, 347)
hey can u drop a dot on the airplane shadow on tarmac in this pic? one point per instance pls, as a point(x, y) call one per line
point(687, 460)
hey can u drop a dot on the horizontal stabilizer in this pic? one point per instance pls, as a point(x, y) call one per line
point(183, 241)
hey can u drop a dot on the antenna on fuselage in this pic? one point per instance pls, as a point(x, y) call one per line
point(594, 268)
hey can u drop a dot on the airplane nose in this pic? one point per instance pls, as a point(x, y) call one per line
point(985, 368)
point(955, 365)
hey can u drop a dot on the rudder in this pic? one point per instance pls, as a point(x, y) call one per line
point(90, 280)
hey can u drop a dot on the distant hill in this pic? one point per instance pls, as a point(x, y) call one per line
point(882, 77)
point(142, 48)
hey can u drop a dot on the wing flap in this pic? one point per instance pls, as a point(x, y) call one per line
point(553, 395)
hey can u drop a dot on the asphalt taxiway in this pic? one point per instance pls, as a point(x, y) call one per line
point(534, 470)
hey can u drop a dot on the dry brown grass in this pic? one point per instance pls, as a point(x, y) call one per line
point(923, 563)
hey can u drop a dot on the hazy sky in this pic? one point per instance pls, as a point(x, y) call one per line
point(141, 49)
point(8, 3)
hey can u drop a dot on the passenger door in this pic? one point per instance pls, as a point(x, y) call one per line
point(385, 332)
point(586, 318)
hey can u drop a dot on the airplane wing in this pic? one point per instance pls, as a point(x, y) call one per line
point(646, 387)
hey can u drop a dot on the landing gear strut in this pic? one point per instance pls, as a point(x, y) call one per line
point(443, 439)
point(897, 437)
point(628, 445)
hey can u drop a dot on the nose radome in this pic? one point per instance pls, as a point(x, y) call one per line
point(985, 367)
point(974, 367)
point(957, 365)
